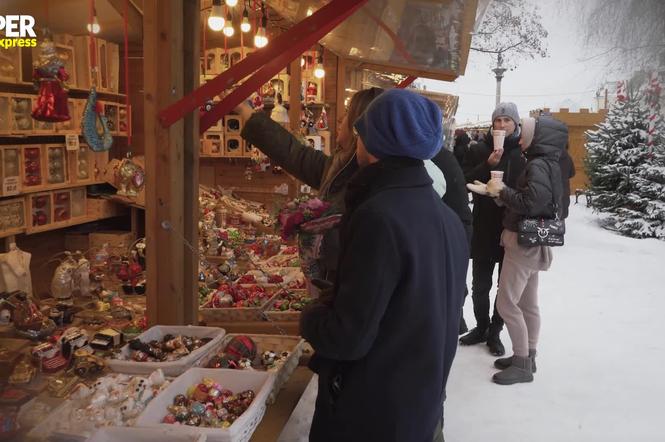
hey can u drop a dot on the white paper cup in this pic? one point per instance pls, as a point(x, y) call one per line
point(499, 136)
point(497, 175)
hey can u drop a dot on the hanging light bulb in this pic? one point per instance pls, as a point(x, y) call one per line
point(216, 18)
point(319, 72)
point(302, 62)
point(261, 37)
point(245, 26)
point(310, 11)
point(228, 27)
point(231, 3)
point(94, 26)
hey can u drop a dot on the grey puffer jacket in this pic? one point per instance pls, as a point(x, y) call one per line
point(539, 185)
point(327, 174)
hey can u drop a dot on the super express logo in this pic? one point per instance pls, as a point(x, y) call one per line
point(19, 31)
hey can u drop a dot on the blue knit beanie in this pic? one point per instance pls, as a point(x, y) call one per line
point(401, 123)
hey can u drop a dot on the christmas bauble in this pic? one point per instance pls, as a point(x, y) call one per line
point(241, 347)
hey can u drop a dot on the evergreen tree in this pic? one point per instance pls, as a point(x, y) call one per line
point(626, 180)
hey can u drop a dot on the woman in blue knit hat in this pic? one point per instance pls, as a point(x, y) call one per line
point(387, 339)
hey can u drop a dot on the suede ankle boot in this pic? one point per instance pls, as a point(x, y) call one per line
point(503, 363)
point(519, 371)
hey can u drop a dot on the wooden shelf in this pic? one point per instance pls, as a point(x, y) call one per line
point(29, 88)
point(38, 189)
point(62, 225)
point(123, 200)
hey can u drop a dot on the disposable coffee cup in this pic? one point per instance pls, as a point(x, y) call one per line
point(497, 175)
point(499, 136)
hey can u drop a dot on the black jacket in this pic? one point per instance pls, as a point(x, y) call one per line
point(567, 172)
point(487, 216)
point(539, 186)
point(456, 196)
point(329, 174)
point(387, 341)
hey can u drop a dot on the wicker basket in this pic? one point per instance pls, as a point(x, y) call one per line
point(292, 344)
point(236, 314)
point(280, 316)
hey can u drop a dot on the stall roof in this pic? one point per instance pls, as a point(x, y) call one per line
point(424, 38)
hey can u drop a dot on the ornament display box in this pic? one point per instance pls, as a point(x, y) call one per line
point(56, 208)
point(81, 165)
point(237, 314)
point(134, 434)
point(5, 114)
point(10, 65)
point(173, 368)
point(57, 171)
point(12, 216)
point(213, 144)
point(277, 343)
point(33, 170)
point(233, 146)
point(235, 380)
point(21, 118)
point(10, 170)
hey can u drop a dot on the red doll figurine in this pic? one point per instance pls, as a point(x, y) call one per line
point(49, 76)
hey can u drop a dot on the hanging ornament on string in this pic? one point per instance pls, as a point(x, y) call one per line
point(50, 78)
point(92, 113)
point(322, 123)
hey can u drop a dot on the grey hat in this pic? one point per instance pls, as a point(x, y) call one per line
point(506, 109)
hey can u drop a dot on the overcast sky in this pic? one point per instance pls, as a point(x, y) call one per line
point(564, 79)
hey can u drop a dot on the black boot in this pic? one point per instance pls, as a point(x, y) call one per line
point(475, 336)
point(462, 326)
point(504, 363)
point(520, 370)
point(494, 341)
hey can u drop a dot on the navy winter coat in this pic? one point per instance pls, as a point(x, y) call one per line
point(386, 342)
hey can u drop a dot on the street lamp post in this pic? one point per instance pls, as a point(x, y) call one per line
point(499, 70)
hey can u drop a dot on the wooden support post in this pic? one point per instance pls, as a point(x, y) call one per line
point(171, 292)
point(295, 103)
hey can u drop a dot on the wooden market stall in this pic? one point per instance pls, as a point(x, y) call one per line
point(168, 84)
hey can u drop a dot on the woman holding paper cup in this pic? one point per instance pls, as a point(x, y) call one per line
point(497, 154)
point(537, 193)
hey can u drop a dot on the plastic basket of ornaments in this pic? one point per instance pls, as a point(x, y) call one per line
point(173, 349)
point(225, 405)
point(277, 354)
point(114, 400)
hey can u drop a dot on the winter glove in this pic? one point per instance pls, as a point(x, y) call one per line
point(494, 187)
point(477, 187)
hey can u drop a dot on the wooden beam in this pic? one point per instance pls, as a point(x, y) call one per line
point(470, 8)
point(340, 105)
point(169, 291)
point(447, 75)
point(191, 51)
point(135, 17)
point(295, 103)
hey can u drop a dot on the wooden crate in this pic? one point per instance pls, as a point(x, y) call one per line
point(6, 116)
point(103, 63)
point(118, 241)
point(73, 126)
point(102, 208)
point(236, 314)
point(10, 170)
point(213, 144)
point(40, 212)
point(13, 218)
point(67, 56)
point(81, 165)
point(84, 76)
point(123, 120)
point(232, 124)
point(233, 146)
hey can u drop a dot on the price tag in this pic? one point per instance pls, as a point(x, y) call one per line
point(11, 186)
point(72, 141)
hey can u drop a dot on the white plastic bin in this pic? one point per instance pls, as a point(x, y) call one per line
point(173, 368)
point(235, 380)
point(133, 434)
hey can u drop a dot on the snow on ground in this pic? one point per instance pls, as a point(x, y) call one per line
point(601, 356)
point(601, 360)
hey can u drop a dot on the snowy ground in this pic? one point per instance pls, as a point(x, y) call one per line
point(601, 356)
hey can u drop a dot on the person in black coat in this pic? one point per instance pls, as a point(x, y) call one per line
point(457, 198)
point(387, 338)
point(486, 250)
point(462, 141)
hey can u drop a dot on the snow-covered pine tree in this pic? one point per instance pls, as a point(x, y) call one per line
point(625, 179)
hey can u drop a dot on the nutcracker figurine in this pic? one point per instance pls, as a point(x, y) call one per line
point(50, 78)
